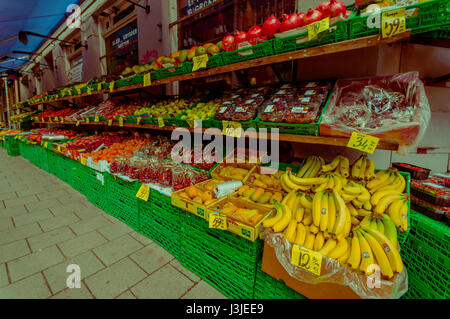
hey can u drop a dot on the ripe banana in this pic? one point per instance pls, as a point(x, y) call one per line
point(307, 219)
point(309, 240)
point(324, 211)
point(363, 212)
point(352, 209)
point(315, 168)
point(356, 168)
point(337, 183)
point(362, 171)
point(314, 229)
point(378, 180)
point(344, 166)
point(364, 196)
point(273, 220)
point(331, 212)
point(380, 194)
point(306, 166)
point(343, 259)
point(348, 223)
point(366, 255)
point(388, 182)
point(316, 208)
point(384, 203)
point(299, 214)
point(306, 181)
point(389, 230)
point(286, 179)
point(290, 231)
point(339, 250)
point(342, 214)
point(285, 187)
point(318, 241)
point(370, 169)
point(394, 212)
point(404, 216)
point(392, 253)
point(306, 200)
point(328, 246)
point(301, 234)
point(331, 166)
point(355, 221)
point(284, 221)
point(288, 197)
point(382, 259)
point(380, 226)
point(365, 221)
point(355, 254)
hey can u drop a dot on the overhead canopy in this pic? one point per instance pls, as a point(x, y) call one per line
point(39, 16)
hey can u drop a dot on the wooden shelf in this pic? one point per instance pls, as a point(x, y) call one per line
point(348, 45)
point(321, 140)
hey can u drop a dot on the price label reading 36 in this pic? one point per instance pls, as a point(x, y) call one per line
point(307, 259)
point(393, 22)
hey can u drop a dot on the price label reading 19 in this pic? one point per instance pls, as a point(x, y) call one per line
point(393, 22)
point(307, 259)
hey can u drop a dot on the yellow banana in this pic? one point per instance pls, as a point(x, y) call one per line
point(404, 216)
point(390, 231)
point(362, 171)
point(348, 222)
point(352, 189)
point(356, 168)
point(330, 183)
point(343, 259)
point(394, 212)
point(283, 183)
point(366, 255)
point(348, 198)
point(306, 181)
point(306, 166)
point(307, 219)
point(380, 226)
point(355, 221)
point(363, 212)
point(402, 183)
point(370, 170)
point(288, 197)
point(367, 205)
point(318, 241)
point(309, 240)
point(313, 229)
point(391, 251)
point(301, 234)
point(380, 194)
point(339, 250)
point(328, 246)
point(292, 203)
point(324, 211)
point(315, 168)
point(378, 180)
point(273, 220)
point(316, 208)
point(284, 221)
point(344, 166)
point(286, 178)
point(381, 257)
point(331, 213)
point(299, 214)
point(365, 221)
point(337, 183)
point(357, 203)
point(331, 166)
point(352, 210)
point(305, 202)
point(364, 196)
point(355, 254)
point(290, 231)
point(388, 182)
point(342, 214)
point(384, 203)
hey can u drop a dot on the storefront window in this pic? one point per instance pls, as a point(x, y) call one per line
point(76, 70)
point(122, 49)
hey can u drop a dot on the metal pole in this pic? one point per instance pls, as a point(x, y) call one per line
point(7, 102)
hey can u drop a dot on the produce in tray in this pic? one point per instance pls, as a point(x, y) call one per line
point(242, 105)
point(203, 110)
point(389, 107)
point(166, 109)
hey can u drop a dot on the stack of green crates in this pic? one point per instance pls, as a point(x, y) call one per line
point(92, 185)
point(226, 261)
point(426, 254)
point(12, 145)
point(123, 203)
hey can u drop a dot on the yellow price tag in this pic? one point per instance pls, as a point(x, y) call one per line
point(143, 192)
point(78, 123)
point(218, 221)
point(50, 120)
point(89, 90)
point(59, 148)
point(194, 123)
point(111, 86)
point(315, 28)
point(138, 120)
point(87, 120)
point(46, 144)
point(121, 121)
point(393, 22)
point(99, 86)
point(110, 122)
point(363, 142)
point(83, 160)
point(232, 129)
point(306, 259)
point(62, 119)
point(200, 62)
point(96, 119)
point(147, 79)
point(56, 119)
point(160, 122)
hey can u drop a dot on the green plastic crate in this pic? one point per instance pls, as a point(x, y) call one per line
point(441, 32)
point(215, 61)
point(244, 124)
point(418, 18)
point(250, 53)
point(336, 33)
point(183, 68)
point(131, 80)
point(124, 213)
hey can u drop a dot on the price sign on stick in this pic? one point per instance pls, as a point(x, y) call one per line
point(89, 90)
point(393, 22)
point(306, 259)
point(218, 221)
point(138, 120)
point(231, 128)
point(315, 28)
point(147, 79)
point(78, 123)
point(200, 62)
point(110, 122)
point(143, 192)
point(96, 119)
point(121, 121)
point(111, 86)
point(160, 122)
point(363, 142)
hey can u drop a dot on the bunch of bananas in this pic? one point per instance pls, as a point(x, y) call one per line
point(370, 246)
point(312, 167)
point(363, 168)
point(384, 224)
point(333, 181)
point(339, 165)
point(258, 195)
point(291, 182)
point(387, 179)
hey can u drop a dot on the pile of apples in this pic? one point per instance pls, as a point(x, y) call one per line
point(272, 25)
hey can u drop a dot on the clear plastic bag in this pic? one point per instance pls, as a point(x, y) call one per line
point(393, 108)
point(333, 272)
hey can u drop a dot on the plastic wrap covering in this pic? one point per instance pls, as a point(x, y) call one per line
point(393, 108)
point(333, 272)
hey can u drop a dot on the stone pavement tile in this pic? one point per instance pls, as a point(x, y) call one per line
point(59, 221)
point(20, 201)
point(42, 204)
point(57, 275)
point(33, 263)
point(50, 238)
point(13, 250)
point(28, 191)
point(81, 244)
point(117, 249)
point(69, 201)
point(203, 290)
point(166, 283)
point(33, 287)
point(52, 195)
point(12, 211)
point(6, 223)
point(114, 231)
point(107, 283)
point(84, 212)
point(88, 225)
point(32, 217)
point(9, 195)
point(64, 209)
point(177, 265)
point(3, 276)
point(57, 187)
point(19, 233)
point(126, 295)
point(141, 238)
point(151, 258)
point(74, 293)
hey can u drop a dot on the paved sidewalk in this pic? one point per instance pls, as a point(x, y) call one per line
point(40, 237)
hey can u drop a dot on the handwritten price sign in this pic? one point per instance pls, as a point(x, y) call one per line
point(143, 192)
point(160, 122)
point(200, 62)
point(306, 259)
point(393, 22)
point(217, 221)
point(363, 142)
point(315, 28)
point(147, 79)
